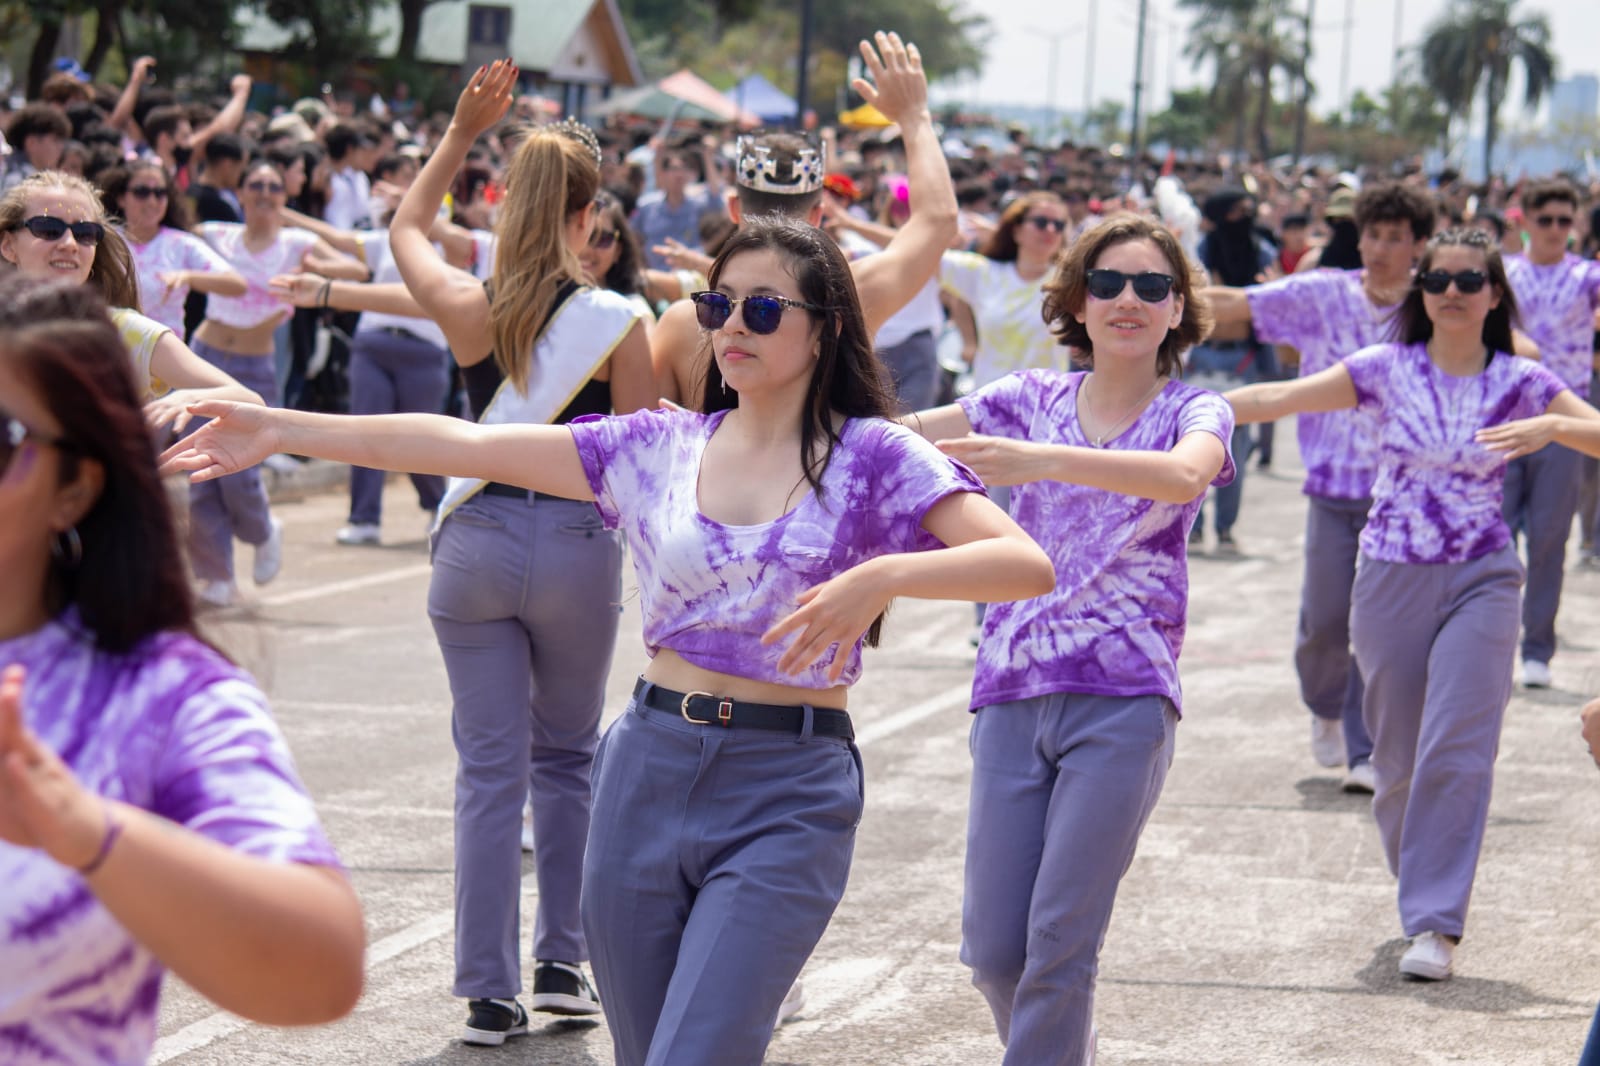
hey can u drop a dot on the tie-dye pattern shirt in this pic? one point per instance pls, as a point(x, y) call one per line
point(1437, 495)
point(1114, 624)
point(172, 728)
point(1556, 303)
point(1009, 312)
point(1326, 315)
point(708, 591)
point(170, 250)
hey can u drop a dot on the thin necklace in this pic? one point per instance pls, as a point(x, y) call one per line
point(1100, 437)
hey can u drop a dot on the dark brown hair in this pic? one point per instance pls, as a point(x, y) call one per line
point(1001, 245)
point(131, 582)
point(1067, 292)
point(114, 186)
point(1395, 201)
point(1411, 324)
point(1546, 192)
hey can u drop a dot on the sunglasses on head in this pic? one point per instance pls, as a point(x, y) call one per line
point(148, 192)
point(1148, 286)
point(1546, 221)
point(602, 239)
point(1467, 281)
point(13, 434)
point(1040, 223)
point(272, 188)
point(46, 228)
point(762, 314)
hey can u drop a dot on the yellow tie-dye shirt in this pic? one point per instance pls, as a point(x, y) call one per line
point(139, 336)
point(1012, 334)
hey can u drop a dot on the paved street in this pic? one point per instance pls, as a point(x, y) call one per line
point(1257, 925)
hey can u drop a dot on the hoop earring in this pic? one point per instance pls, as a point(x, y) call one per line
point(67, 548)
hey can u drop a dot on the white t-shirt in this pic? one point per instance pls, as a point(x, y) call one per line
point(258, 303)
point(170, 249)
point(1009, 311)
point(349, 193)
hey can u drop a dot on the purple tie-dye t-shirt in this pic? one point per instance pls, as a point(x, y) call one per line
point(1114, 624)
point(1556, 304)
point(1325, 315)
point(172, 728)
point(1437, 497)
point(708, 591)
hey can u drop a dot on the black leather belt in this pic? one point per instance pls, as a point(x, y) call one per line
point(517, 492)
point(703, 708)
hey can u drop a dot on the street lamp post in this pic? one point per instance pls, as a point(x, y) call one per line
point(1138, 85)
point(803, 80)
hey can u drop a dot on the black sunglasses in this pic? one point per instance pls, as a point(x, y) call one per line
point(270, 187)
point(12, 436)
point(1148, 286)
point(147, 192)
point(602, 239)
point(1546, 221)
point(1467, 281)
point(1039, 222)
point(45, 228)
point(762, 314)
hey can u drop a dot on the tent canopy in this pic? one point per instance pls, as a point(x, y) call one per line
point(758, 94)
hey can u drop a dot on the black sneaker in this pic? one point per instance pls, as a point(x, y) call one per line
point(491, 1021)
point(561, 988)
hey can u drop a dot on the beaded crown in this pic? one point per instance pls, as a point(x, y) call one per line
point(756, 169)
point(577, 131)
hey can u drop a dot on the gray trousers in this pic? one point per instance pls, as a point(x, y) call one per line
point(1062, 786)
point(1436, 645)
point(914, 367)
point(1589, 487)
point(716, 858)
point(394, 372)
point(1330, 683)
point(1541, 496)
point(235, 505)
point(525, 603)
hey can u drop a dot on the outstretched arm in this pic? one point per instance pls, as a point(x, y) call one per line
point(1568, 420)
point(316, 291)
point(192, 379)
point(541, 458)
point(1175, 476)
point(1268, 401)
point(1229, 306)
point(888, 281)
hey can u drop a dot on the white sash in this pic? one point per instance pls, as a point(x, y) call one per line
point(580, 338)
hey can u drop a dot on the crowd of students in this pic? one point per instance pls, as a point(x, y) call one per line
point(578, 344)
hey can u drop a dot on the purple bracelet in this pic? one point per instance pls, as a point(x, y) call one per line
point(113, 831)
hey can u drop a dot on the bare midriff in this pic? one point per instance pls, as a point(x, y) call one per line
point(670, 670)
point(254, 340)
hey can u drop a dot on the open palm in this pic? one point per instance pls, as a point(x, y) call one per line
point(238, 437)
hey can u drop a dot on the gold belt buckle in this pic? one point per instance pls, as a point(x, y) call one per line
point(724, 708)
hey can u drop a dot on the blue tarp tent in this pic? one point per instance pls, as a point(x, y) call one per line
point(758, 94)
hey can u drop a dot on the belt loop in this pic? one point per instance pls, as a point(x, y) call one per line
point(808, 719)
point(641, 696)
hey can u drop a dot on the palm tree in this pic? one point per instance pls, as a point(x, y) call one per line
point(1249, 43)
point(1475, 43)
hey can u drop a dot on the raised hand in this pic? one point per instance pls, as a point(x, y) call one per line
point(898, 88)
point(486, 98)
point(41, 803)
point(833, 614)
point(239, 437)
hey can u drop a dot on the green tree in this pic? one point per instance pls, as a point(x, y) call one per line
point(329, 38)
point(1249, 43)
point(1189, 122)
point(1475, 44)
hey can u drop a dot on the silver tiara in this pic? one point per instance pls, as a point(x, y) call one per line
point(756, 169)
point(571, 127)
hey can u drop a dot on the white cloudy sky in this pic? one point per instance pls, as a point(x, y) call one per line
point(1019, 55)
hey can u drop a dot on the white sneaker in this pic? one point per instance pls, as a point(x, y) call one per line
point(269, 555)
point(217, 594)
point(1327, 741)
point(527, 825)
point(794, 1001)
point(1535, 674)
point(1429, 958)
point(1361, 778)
point(359, 533)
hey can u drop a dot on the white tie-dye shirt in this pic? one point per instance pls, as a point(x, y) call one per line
point(258, 303)
point(1326, 315)
point(1114, 624)
point(1438, 492)
point(170, 249)
point(1009, 312)
point(1557, 303)
point(175, 729)
point(708, 591)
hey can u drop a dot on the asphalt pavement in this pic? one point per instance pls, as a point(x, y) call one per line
point(1257, 924)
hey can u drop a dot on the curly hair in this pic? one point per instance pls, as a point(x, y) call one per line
point(1395, 201)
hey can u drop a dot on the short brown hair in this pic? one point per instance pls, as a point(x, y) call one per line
point(1557, 191)
point(1067, 292)
point(1001, 245)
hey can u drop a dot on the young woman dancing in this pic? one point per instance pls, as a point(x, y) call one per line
point(1076, 696)
point(1434, 609)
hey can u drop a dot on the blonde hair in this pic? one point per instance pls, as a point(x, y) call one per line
point(113, 272)
point(551, 178)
